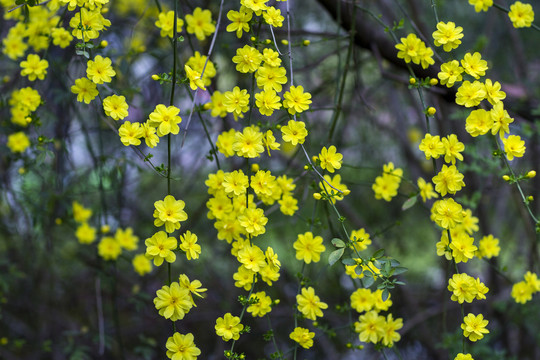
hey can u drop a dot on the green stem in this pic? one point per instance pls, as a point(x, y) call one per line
point(273, 337)
point(435, 10)
point(337, 110)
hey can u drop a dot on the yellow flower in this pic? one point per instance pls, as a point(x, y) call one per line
point(165, 119)
point(239, 22)
point(109, 248)
point(330, 159)
point(479, 122)
point(160, 247)
point(130, 133)
point(362, 300)
point(248, 143)
point(200, 23)
point(173, 302)
point(470, 94)
point(448, 35)
point(115, 106)
point(267, 102)
point(521, 15)
point(236, 101)
point(513, 147)
point(488, 247)
point(100, 70)
point(501, 120)
point(195, 81)
point(309, 248)
point(61, 37)
point(309, 304)
point(18, 142)
point(85, 90)
point(228, 327)
point(85, 233)
point(262, 307)
point(370, 327)
point(426, 190)
point(294, 132)
point(80, 213)
point(474, 65)
point(182, 347)
point(360, 239)
point(474, 327)
point(169, 212)
point(253, 221)
point(235, 183)
point(188, 244)
point(34, 67)
point(296, 100)
point(303, 337)
point(247, 59)
point(165, 23)
point(273, 17)
point(448, 180)
point(126, 238)
point(141, 264)
point(481, 5)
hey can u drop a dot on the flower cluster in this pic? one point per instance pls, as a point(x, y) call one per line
point(386, 186)
point(525, 289)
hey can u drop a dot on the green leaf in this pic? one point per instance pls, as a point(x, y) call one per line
point(409, 203)
point(399, 270)
point(338, 243)
point(378, 254)
point(348, 261)
point(335, 256)
point(385, 294)
point(368, 281)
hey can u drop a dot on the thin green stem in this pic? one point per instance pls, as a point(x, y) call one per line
point(338, 104)
point(273, 337)
point(245, 307)
point(507, 164)
point(434, 7)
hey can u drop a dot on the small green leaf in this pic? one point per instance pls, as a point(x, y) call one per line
point(335, 256)
point(338, 243)
point(399, 283)
point(409, 203)
point(385, 294)
point(399, 270)
point(348, 261)
point(378, 254)
point(368, 281)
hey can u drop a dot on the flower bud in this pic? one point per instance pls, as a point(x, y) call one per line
point(155, 77)
point(103, 43)
point(306, 42)
point(412, 81)
point(254, 168)
point(433, 82)
point(431, 111)
point(506, 177)
point(285, 42)
point(531, 174)
point(317, 196)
